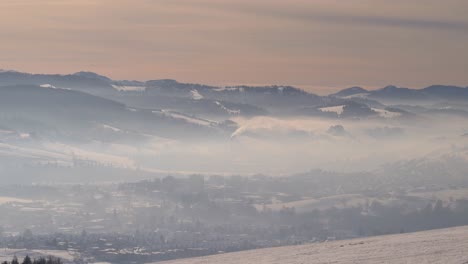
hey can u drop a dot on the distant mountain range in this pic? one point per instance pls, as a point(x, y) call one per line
point(217, 104)
point(95, 83)
point(434, 92)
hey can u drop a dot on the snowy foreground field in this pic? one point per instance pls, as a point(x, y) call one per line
point(437, 246)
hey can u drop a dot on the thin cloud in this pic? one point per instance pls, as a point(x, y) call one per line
point(377, 21)
point(344, 19)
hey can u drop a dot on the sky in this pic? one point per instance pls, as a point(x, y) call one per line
point(318, 45)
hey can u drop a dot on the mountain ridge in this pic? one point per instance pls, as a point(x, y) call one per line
point(441, 92)
point(32, 77)
point(223, 102)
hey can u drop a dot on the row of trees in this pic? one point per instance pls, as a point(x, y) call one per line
point(29, 260)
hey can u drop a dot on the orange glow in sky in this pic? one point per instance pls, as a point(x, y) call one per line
point(312, 44)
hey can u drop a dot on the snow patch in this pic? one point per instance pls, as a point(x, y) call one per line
point(124, 88)
point(5, 200)
point(219, 89)
point(24, 135)
point(358, 95)
point(196, 95)
point(48, 86)
point(189, 119)
point(112, 128)
point(333, 109)
point(385, 113)
point(230, 111)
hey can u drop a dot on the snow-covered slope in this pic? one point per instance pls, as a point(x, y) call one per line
point(437, 246)
point(334, 109)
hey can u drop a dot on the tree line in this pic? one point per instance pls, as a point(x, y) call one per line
point(40, 260)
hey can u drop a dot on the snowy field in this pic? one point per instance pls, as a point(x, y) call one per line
point(444, 246)
point(5, 200)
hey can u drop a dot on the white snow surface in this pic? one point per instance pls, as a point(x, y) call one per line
point(189, 119)
point(444, 246)
point(192, 120)
point(50, 86)
point(335, 109)
point(385, 113)
point(358, 95)
point(47, 86)
point(229, 111)
point(196, 95)
point(123, 88)
point(111, 128)
point(5, 200)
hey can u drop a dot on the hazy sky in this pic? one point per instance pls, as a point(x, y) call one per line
point(308, 43)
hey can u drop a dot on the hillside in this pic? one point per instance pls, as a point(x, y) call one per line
point(49, 112)
point(436, 246)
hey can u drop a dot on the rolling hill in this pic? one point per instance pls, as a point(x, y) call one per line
point(437, 246)
point(54, 112)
